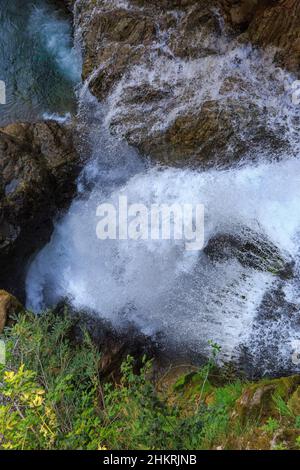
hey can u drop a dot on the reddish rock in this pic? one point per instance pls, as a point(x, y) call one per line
point(9, 306)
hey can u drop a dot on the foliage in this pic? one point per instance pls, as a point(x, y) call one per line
point(61, 379)
point(50, 388)
point(51, 397)
point(271, 425)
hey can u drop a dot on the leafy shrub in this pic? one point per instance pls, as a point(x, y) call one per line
point(50, 390)
point(61, 379)
point(51, 397)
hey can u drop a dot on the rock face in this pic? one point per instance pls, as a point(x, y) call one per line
point(9, 306)
point(38, 168)
point(279, 26)
point(241, 13)
point(168, 71)
point(270, 23)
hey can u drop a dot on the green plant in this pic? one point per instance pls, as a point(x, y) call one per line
point(64, 375)
point(280, 446)
point(51, 397)
point(215, 350)
point(154, 423)
point(46, 365)
point(27, 421)
point(282, 406)
point(271, 425)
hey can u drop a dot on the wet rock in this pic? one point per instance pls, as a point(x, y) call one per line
point(145, 60)
point(270, 348)
point(114, 40)
point(251, 249)
point(268, 23)
point(240, 13)
point(279, 26)
point(38, 168)
point(218, 134)
point(198, 33)
point(9, 306)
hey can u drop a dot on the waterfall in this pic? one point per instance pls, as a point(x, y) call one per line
point(185, 298)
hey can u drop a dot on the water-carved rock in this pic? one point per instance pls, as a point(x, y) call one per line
point(251, 249)
point(151, 61)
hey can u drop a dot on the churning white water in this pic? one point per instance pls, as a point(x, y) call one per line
point(157, 285)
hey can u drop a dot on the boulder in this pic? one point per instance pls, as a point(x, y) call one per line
point(219, 133)
point(198, 33)
point(266, 23)
point(252, 249)
point(240, 13)
point(38, 170)
point(114, 40)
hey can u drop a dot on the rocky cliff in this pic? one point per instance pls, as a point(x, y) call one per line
point(152, 61)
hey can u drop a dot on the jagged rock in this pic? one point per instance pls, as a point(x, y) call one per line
point(279, 26)
point(267, 23)
point(219, 133)
point(251, 249)
point(164, 117)
point(198, 33)
point(114, 40)
point(38, 168)
point(241, 12)
point(9, 306)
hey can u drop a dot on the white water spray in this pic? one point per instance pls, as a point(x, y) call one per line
point(56, 36)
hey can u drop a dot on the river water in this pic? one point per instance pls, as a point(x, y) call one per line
point(37, 61)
